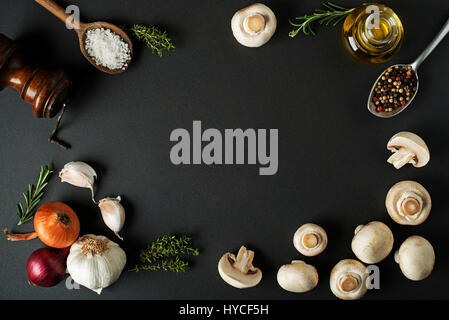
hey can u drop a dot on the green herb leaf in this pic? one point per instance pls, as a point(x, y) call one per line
point(164, 254)
point(174, 265)
point(333, 14)
point(154, 38)
point(33, 195)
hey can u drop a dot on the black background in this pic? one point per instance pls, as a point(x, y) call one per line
point(332, 151)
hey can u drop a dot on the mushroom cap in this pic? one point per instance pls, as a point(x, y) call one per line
point(348, 279)
point(414, 144)
point(254, 25)
point(310, 239)
point(233, 274)
point(297, 277)
point(416, 258)
point(408, 203)
point(372, 242)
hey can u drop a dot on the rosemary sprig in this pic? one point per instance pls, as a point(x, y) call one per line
point(154, 38)
point(332, 14)
point(33, 195)
point(164, 254)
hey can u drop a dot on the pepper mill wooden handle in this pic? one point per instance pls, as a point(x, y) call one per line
point(45, 90)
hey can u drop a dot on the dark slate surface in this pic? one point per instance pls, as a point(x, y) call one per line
point(332, 151)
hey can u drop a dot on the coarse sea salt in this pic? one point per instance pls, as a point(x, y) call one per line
point(107, 48)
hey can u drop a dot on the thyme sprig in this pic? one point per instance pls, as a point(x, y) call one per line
point(153, 37)
point(164, 255)
point(174, 264)
point(333, 14)
point(33, 195)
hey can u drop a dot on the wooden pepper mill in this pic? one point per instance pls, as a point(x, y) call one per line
point(46, 91)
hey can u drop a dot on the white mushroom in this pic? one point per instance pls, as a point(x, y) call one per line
point(297, 277)
point(253, 26)
point(348, 279)
point(416, 258)
point(408, 147)
point(239, 271)
point(310, 239)
point(372, 242)
point(408, 203)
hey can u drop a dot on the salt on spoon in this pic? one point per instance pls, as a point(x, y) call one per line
point(106, 35)
point(107, 49)
point(412, 68)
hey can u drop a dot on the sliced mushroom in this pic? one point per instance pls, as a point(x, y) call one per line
point(372, 242)
point(239, 271)
point(253, 26)
point(297, 277)
point(310, 239)
point(408, 203)
point(416, 258)
point(408, 147)
point(348, 279)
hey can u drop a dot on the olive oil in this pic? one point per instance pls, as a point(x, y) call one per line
point(372, 33)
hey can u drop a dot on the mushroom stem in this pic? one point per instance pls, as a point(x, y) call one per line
point(401, 157)
point(348, 283)
point(410, 206)
point(310, 240)
point(244, 260)
point(396, 257)
point(254, 24)
point(358, 228)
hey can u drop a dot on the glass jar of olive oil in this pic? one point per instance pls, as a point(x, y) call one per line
point(372, 33)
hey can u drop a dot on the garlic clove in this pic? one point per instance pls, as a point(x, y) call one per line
point(79, 174)
point(95, 262)
point(113, 214)
point(97, 291)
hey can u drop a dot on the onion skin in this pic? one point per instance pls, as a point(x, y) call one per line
point(46, 266)
point(56, 225)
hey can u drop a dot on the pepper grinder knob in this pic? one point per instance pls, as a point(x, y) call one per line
point(45, 90)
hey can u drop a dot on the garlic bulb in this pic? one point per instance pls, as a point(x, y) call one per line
point(95, 262)
point(113, 214)
point(79, 174)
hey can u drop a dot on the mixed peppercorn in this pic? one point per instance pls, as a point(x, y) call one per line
point(395, 88)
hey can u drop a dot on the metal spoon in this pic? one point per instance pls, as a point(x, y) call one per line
point(372, 106)
point(82, 32)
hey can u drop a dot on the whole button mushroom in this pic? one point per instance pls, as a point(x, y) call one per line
point(408, 203)
point(348, 279)
point(372, 242)
point(408, 147)
point(310, 239)
point(297, 277)
point(416, 258)
point(239, 271)
point(253, 26)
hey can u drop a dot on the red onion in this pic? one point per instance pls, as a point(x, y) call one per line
point(46, 266)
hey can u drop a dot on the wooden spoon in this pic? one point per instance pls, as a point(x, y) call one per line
point(82, 32)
